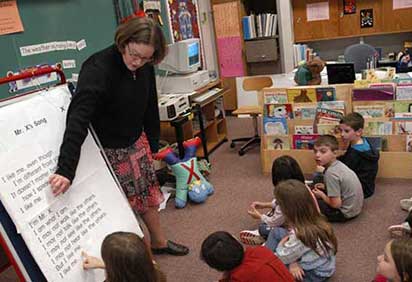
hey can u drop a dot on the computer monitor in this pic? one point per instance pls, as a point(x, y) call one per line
point(182, 57)
point(340, 73)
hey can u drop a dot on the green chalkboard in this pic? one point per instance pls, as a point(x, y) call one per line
point(57, 20)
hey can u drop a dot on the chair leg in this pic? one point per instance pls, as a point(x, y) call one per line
point(254, 140)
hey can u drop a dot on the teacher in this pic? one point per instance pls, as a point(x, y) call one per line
point(116, 93)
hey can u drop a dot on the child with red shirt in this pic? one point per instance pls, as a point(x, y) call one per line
point(223, 252)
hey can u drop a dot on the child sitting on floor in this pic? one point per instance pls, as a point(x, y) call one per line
point(360, 156)
point(283, 168)
point(221, 251)
point(309, 246)
point(341, 197)
point(125, 258)
point(395, 265)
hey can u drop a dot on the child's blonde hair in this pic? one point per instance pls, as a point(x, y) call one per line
point(401, 250)
point(328, 141)
point(301, 213)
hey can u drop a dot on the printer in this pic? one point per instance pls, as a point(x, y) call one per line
point(171, 106)
point(182, 83)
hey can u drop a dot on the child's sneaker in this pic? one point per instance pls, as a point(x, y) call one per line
point(406, 204)
point(251, 237)
point(400, 230)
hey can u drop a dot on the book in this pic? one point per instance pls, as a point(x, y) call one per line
point(304, 141)
point(278, 142)
point(372, 94)
point(301, 95)
point(375, 109)
point(403, 109)
point(279, 110)
point(331, 129)
point(404, 91)
point(370, 111)
point(273, 98)
point(304, 111)
point(325, 94)
point(303, 129)
point(326, 116)
point(409, 143)
point(338, 106)
point(403, 127)
point(378, 128)
point(275, 126)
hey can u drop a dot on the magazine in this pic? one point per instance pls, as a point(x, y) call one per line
point(279, 110)
point(278, 142)
point(301, 95)
point(304, 141)
point(275, 126)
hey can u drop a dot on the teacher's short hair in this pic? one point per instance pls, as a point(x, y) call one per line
point(142, 30)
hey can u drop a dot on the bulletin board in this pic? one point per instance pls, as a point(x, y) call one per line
point(57, 21)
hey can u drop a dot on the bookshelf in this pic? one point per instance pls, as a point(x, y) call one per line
point(395, 161)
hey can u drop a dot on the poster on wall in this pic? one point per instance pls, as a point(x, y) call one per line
point(402, 4)
point(366, 18)
point(183, 19)
point(10, 21)
point(230, 56)
point(349, 7)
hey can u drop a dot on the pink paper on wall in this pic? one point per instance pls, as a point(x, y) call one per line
point(230, 56)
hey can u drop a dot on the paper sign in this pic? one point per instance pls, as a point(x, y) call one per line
point(47, 47)
point(230, 56)
point(75, 77)
point(10, 21)
point(317, 11)
point(81, 44)
point(402, 4)
point(69, 64)
point(57, 229)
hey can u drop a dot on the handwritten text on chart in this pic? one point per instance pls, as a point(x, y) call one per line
point(59, 233)
point(31, 179)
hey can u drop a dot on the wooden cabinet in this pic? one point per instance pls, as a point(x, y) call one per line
point(309, 30)
point(396, 20)
point(349, 25)
point(340, 25)
point(207, 121)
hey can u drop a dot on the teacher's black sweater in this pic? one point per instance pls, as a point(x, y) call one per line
point(120, 105)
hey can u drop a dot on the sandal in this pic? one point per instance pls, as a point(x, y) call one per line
point(172, 248)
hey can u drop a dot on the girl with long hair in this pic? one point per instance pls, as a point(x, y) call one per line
point(308, 245)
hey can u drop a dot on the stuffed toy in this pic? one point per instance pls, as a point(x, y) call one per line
point(308, 73)
point(189, 181)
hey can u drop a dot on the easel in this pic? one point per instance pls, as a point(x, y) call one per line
point(12, 243)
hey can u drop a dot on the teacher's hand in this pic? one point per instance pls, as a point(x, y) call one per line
point(59, 184)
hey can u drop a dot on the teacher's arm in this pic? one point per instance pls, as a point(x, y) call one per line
point(82, 107)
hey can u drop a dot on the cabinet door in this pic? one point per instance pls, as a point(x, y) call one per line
point(396, 20)
point(349, 24)
point(311, 30)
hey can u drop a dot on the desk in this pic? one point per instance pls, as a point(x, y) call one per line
point(205, 124)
